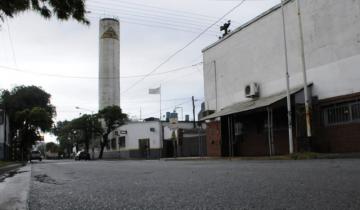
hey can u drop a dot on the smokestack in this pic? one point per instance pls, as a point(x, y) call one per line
point(109, 63)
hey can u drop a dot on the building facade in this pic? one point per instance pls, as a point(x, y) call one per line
point(252, 57)
point(135, 140)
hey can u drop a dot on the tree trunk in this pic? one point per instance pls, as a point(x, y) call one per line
point(87, 145)
point(102, 146)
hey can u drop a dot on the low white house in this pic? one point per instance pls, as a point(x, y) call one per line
point(144, 140)
point(135, 140)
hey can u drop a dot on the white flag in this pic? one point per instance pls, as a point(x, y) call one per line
point(154, 91)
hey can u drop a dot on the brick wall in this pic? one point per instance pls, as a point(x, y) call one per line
point(340, 138)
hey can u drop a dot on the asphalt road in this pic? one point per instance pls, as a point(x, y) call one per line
point(221, 184)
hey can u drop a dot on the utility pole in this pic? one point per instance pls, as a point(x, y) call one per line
point(288, 98)
point(306, 93)
point(160, 103)
point(193, 104)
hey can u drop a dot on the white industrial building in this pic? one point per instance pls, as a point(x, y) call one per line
point(254, 54)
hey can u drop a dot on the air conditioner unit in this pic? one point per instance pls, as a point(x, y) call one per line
point(252, 90)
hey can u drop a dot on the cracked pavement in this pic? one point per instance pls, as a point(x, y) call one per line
point(210, 184)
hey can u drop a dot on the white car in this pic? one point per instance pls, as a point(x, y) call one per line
point(35, 155)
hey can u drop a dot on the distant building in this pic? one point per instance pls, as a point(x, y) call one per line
point(146, 140)
point(244, 76)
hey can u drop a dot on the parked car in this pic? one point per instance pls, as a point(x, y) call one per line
point(35, 155)
point(82, 155)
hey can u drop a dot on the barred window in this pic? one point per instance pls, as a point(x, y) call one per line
point(122, 143)
point(342, 113)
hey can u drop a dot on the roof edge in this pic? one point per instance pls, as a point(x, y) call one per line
point(245, 25)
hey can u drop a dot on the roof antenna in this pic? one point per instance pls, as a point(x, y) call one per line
point(225, 28)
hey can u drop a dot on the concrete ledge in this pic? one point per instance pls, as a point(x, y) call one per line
point(301, 156)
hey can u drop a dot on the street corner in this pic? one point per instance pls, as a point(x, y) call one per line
point(14, 188)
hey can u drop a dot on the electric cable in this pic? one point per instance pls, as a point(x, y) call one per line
point(86, 77)
point(181, 49)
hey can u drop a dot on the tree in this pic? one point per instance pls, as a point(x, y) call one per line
point(62, 9)
point(111, 118)
point(87, 125)
point(78, 131)
point(52, 147)
point(30, 113)
point(65, 136)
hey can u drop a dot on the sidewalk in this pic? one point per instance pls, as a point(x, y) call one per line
point(15, 186)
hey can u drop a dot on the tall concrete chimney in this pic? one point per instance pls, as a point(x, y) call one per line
point(109, 63)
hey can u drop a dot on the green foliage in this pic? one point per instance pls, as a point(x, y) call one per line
point(88, 126)
point(30, 112)
point(113, 118)
point(65, 136)
point(77, 131)
point(62, 9)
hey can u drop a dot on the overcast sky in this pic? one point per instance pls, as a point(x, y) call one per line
point(62, 57)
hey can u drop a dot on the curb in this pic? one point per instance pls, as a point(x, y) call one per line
point(11, 167)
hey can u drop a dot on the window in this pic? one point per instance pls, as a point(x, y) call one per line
point(122, 143)
point(342, 113)
point(113, 144)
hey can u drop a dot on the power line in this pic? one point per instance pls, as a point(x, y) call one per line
point(157, 14)
point(147, 24)
point(11, 42)
point(181, 49)
point(147, 19)
point(98, 15)
point(136, 6)
point(85, 77)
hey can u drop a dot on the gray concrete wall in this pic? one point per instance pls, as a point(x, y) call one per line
point(129, 154)
point(255, 53)
point(109, 63)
